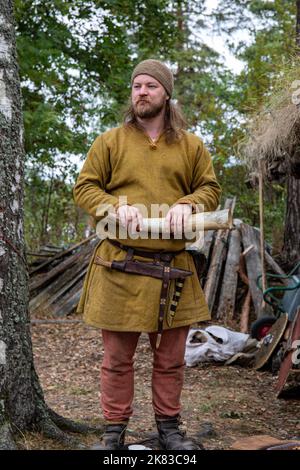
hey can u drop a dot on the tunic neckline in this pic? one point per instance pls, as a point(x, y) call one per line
point(152, 142)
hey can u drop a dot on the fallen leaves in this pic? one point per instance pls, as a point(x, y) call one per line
point(234, 401)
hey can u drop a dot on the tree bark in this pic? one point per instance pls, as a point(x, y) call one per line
point(22, 404)
point(291, 241)
point(17, 407)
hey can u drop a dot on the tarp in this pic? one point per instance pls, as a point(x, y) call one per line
point(215, 343)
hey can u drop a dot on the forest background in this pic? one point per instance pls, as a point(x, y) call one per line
point(76, 58)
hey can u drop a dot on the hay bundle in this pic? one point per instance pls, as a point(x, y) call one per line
point(274, 133)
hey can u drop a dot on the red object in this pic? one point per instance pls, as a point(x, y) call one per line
point(287, 363)
point(117, 372)
point(263, 331)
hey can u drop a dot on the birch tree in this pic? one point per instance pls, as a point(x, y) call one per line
point(22, 404)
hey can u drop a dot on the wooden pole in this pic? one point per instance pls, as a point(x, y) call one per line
point(254, 267)
point(216, 262)
point(61, 254)
point(261, 224)
point(244, 321)
point(227, 298)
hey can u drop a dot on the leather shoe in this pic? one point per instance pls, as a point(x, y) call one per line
point(113, 438)
point(172, 438)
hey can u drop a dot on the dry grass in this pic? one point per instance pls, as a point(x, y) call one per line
point(274, 131)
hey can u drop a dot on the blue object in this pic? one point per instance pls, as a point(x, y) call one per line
point(283, 298)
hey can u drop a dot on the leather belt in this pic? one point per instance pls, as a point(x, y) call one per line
point(160, 269)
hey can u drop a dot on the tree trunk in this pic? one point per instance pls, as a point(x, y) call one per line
point(16, 397)
point(291, 243)
point(22, 405)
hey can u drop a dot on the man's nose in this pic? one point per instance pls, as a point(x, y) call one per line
point(143, 90)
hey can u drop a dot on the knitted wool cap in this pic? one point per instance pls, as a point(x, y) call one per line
point(158, 70)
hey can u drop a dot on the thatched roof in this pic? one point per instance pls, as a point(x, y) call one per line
point(274, 135)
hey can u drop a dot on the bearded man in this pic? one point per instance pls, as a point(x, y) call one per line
point(150, 159)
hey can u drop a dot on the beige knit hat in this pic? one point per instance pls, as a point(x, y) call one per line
point(158, 70)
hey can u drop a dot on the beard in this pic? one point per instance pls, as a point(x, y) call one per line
point(145, 110)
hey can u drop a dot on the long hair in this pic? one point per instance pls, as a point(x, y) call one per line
point(175, 121)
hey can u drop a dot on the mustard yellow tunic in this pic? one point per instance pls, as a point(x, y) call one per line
point(125, 162)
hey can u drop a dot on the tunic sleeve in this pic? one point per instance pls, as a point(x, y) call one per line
point(89, 190)
point(204, 188)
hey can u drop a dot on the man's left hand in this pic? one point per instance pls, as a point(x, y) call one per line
point(177, 217)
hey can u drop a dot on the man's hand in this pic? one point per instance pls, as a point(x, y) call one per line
point(130, 217)
point(177, 217)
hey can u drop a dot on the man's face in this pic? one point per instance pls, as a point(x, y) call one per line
point(148, 96)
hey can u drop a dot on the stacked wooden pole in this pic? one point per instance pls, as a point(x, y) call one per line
point(229, 279)
point(56, 284)
point(234, 262)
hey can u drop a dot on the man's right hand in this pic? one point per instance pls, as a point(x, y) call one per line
point(130, 217)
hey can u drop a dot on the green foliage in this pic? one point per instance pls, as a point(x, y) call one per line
point(50, 212)
point(75, 64)
point(233, 178)
point(76, 59)
point(204, 87)
point(272, 28)
point(268, 59)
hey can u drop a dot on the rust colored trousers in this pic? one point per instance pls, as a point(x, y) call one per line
point(117, 373)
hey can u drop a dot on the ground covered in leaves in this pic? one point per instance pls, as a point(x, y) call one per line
point(220, 403)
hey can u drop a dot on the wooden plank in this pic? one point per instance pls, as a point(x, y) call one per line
point(68, 304)
point(201, 256)
point(227, 298)
point(39, 321)
point(41, 280)
point(66, 288)
point(259, 442)
point(63, 253)
point(242, 266)
point(217, 259)
point(208, 242)
point(51, 289)
point(43, 302)
point(244, 320)
point(275, 268)
point(254, 269)
point(39, 255)
point(44, 279)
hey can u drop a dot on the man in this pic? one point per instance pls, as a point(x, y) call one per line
point(151, 160)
